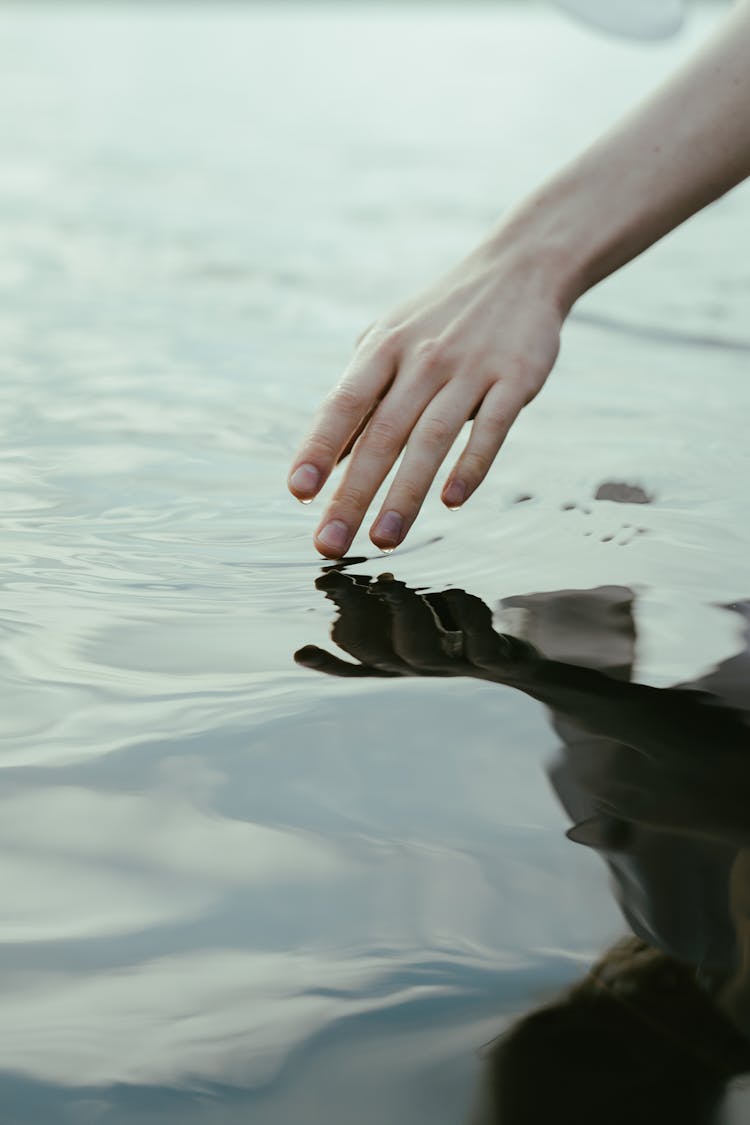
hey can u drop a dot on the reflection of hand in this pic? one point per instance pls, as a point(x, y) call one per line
point(674, 760)
point(478, 344)
point(394, 631)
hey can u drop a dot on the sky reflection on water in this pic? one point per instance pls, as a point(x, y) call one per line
point(226, 879)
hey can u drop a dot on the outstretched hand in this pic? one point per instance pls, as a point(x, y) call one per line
point(479, 344)
point(394, 631)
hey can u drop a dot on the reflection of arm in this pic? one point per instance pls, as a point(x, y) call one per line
point(683, 148)
point(656, 721)
point(691, 771)
point(677, 759)
point(671, 759)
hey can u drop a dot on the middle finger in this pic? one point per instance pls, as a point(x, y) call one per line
point(428, 447)
point(373, 457)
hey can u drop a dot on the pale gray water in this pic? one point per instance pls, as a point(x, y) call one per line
point(232, 890)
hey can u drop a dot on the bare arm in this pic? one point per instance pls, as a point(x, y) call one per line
point(481, 342)
point(688, 144)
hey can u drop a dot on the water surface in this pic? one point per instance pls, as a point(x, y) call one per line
point(235, 889)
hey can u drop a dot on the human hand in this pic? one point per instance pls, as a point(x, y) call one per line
point(479, 344)
point(392, 630)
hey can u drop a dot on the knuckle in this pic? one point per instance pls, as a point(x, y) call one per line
point(320, 448)
point(383, 339)
point(497, 419)
point(516, 366)
point(520, 378)
point(382, 436)
point(410, 496)
point(396, 333)
point(435, 432)
point(351, 498)
point(346, 399)
point(430, 356)
point(391, 338)
point(475, 465)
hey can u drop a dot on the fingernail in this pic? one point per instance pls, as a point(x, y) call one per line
point(335, 536)
point(455, 494)
point(304, 479)
point(390, 526)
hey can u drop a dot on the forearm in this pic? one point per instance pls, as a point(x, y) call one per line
point(685, 146)
point(480, 343)
point(664, 723)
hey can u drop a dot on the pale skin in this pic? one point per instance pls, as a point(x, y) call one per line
point(480, 343)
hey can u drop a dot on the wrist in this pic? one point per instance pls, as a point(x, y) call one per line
point(542, 239)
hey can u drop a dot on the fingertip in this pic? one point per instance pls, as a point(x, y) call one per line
point(388, 531)
point(333, 539)
point(304, 482)
point(455, 494)
point(327, 552)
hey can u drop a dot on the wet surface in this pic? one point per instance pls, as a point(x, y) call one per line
point(622, 493)
point(655, 780)
point(236, 888)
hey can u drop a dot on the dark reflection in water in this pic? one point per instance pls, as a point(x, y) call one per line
point(656, 780)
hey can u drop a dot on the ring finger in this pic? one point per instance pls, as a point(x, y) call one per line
point(428, 446)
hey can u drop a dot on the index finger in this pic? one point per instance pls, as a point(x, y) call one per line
point(365, 381)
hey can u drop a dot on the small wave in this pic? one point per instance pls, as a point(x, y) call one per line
point(661, 335)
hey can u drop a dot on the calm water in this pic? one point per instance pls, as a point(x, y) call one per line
point(235, 889)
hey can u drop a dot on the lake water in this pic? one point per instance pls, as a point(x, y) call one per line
point(235, 889)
